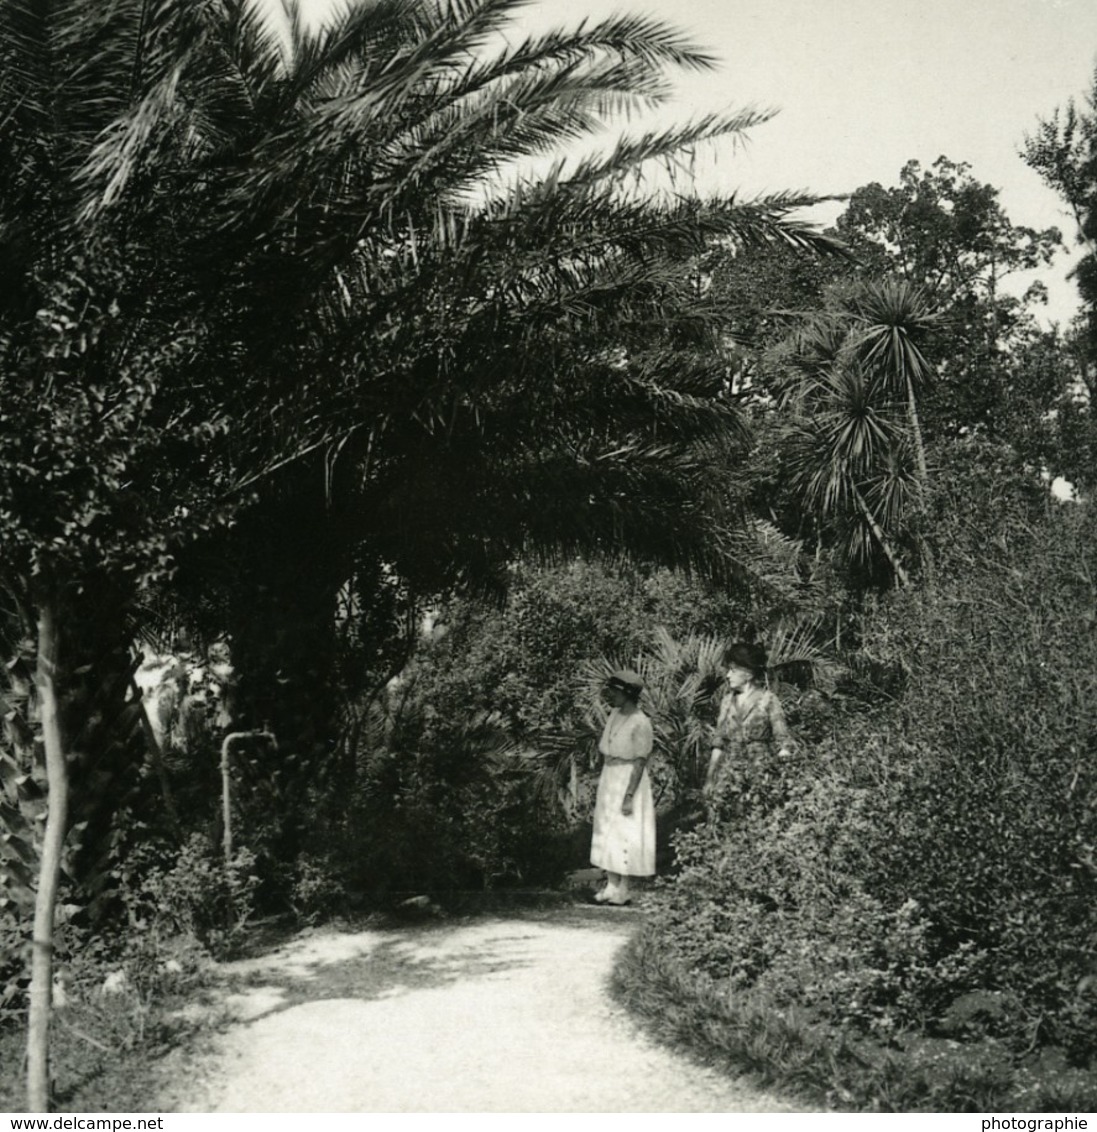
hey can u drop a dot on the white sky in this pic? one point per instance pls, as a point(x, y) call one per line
point(863, 86)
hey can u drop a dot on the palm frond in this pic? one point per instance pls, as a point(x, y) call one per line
point(246, 69)
point(351, 42)
point(794, 653)
point(318, 261)
point(134, 141)
point(631, 154)
point(891, 491)
point(892, 317)
point(625, 37)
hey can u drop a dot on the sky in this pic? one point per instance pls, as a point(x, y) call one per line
point(864, 86)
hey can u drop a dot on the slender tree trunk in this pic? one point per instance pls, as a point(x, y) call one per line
point(923, 483)
point(881, 538)
point(50, 867)
point(916, 430)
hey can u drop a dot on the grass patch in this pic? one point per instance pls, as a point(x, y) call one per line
point(826, 1067)
point(110, 1054)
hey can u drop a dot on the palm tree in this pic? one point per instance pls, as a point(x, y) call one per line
point(242, 254)
point(856, 452)
point(891, 320)
point(843, 452)
point(480, 370)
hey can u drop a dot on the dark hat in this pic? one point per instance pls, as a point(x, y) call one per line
point(627, 681)
point(750, 657)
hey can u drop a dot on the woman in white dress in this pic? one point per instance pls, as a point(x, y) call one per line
point(624, 811)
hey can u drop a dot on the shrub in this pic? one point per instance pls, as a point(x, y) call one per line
point(117, 994)
point(930, 868)
point(991, 824)
point(317, 891)
point(193, 893)
point(771, 899)
point(823, 1065)
point(522, 660)
point(15, 949)
point(448, 804)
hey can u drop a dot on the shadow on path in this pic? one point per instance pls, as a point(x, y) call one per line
point(385, 964)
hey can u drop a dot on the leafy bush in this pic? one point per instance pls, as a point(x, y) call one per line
point(15, 950)
point(117, 1000)
point(317, 892)
point(930, 868)
point(827, 1067)
point(193, 893)
point(448, 802)
point(455, 784)
point(771, 899)
point(523, 660)
point(992, 826)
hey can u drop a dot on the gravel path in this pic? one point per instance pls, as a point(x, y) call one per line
point(509, 1015)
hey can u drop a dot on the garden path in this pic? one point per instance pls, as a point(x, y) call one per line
point(502, 1015)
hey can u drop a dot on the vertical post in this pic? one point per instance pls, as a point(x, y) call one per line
point(226, 796)
point(226, 781)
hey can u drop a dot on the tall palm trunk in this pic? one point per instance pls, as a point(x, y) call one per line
point(50, 864)
point(916, 433)
point(924, 549)
point(94, 752)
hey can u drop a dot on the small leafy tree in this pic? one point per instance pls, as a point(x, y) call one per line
point(1063, 151)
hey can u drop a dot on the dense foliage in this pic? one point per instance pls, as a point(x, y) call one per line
point(251, 262)
point(928, 868)
point(475, 766)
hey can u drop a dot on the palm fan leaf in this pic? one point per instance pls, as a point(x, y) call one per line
point(892, 318)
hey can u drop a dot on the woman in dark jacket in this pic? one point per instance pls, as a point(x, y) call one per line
point(751, 723)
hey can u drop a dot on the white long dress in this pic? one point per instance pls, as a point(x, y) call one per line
point(621, 844)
